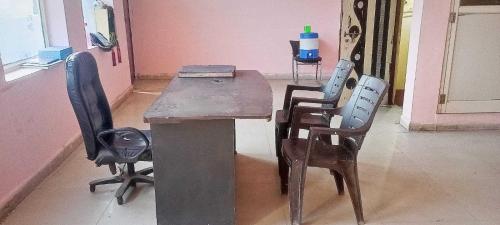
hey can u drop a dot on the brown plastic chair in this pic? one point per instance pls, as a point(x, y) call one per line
point(332, 92)
point(318, 151)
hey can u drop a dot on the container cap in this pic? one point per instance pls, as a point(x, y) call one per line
point(307, 28)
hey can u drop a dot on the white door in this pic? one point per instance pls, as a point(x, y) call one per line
point(472, 74)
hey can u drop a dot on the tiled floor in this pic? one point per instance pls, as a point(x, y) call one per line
point(406, 178)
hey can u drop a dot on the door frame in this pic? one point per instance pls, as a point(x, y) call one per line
point(396, 39)
point(444, 106)
point(130, 45)
point(449, 51)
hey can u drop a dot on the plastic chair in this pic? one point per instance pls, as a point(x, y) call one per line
point(331, 95)
point(318, 151)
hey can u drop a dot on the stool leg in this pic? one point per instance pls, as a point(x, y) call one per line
point(317, 65)
point(297, 70)
point(321, 71)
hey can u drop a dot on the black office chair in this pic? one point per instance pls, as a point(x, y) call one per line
point(297, 61)
point(104, 144)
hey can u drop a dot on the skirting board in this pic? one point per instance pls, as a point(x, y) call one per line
point(159, 76)
point(453, 127)
point(269, 76)
point(69, 147)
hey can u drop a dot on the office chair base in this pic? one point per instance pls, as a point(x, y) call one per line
point(128, 179)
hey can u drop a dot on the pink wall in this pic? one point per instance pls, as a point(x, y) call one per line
point(428, 71)
point(37, 119)
point(249, 34)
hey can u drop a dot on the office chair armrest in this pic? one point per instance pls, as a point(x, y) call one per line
point(122, 131)
point(294, 87)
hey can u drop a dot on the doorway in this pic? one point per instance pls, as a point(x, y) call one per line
point(128, 31)
point(404, 14)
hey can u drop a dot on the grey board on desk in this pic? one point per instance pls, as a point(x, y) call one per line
point(207, 71)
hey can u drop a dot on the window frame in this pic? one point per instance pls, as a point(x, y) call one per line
point(11, 67)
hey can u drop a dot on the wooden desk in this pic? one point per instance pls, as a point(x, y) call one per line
point(192, 124)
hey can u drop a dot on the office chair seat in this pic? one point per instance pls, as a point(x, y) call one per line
point(127, 146)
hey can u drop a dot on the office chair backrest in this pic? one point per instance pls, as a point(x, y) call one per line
point(295, 47)
point(365, 100)
point(88, 99)
point(333, 89)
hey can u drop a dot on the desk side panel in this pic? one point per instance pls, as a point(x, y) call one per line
point(194, 172)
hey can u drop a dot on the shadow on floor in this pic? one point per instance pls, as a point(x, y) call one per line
point(258, 198)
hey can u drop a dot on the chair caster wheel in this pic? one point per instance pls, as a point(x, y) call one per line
point(92, 188)
point(119, 200)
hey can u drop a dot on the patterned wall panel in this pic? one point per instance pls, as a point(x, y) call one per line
point(366, 38)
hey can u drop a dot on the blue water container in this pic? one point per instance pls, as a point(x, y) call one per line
point(309, 45)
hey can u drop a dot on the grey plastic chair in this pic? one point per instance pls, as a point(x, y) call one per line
point(331, 95)
point(318, 151)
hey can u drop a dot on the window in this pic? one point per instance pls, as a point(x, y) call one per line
point(95, 17)
point(89, 19)
point(22, 30)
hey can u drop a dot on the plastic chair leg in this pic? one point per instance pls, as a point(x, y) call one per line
point(339, 181)
point(296, 193)
point(350, 172)
point(280, 134)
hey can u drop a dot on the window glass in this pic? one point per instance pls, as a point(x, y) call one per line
point(89, 19)
point(21, 29)
point(95, 18)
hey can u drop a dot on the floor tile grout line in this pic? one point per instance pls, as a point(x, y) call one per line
point(104, 211)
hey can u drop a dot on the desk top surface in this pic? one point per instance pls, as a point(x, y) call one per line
point(246, 96)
